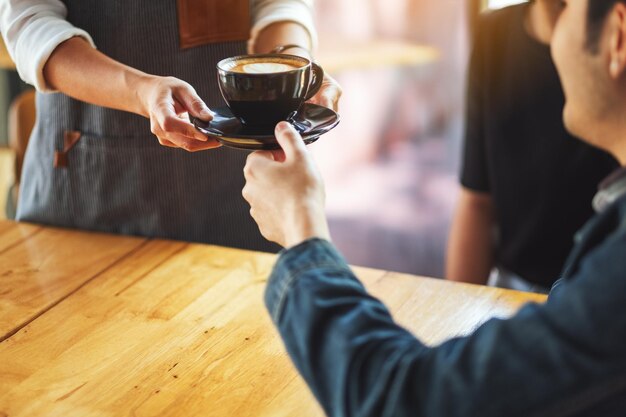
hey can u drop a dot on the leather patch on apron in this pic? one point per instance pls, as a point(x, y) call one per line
point(70, 138)
point(212, 21)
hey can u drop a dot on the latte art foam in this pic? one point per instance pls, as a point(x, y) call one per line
point(266, 68)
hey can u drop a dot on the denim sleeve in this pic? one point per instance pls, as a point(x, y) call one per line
point(548, 359)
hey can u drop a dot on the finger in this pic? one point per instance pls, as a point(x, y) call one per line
point(204, 146)
point(189, 144)
point(190, 100)
point(290, 141)
point(278, 155)
point(328, 101)
point(252, 195)
point(260, 156)
point(170, 123)
point(330, 97)
point(268, 155)
point(167, 143)
point(246, 193)
point(256, 161)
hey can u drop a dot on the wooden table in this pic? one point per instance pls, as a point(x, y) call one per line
point(101, 325)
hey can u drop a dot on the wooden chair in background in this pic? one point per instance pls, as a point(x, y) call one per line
point(21, 121)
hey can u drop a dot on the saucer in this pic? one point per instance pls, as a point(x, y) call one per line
point(312, 121)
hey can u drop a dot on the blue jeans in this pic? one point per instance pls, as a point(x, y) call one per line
point(564, 358)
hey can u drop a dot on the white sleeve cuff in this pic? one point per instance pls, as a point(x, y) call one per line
point(266, 13)
point(32, 54)
point(37, 41)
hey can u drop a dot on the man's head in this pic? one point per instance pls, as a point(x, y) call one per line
point(589, 50)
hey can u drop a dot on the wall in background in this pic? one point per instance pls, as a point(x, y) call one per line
point(4, 107)
point(391, 166)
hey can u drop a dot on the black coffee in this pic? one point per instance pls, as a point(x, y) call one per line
point(264, 112)
point(263, 90)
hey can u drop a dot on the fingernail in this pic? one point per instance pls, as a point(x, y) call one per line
point(282, 126)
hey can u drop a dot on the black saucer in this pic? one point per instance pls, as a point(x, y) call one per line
point(311, 121)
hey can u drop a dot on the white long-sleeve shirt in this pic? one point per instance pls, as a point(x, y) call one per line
point(32, 29)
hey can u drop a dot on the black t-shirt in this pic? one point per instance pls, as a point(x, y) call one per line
point(541, 179)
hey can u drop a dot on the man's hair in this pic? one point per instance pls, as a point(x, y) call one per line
point(597, 10)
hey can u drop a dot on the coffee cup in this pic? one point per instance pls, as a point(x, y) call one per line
point(262, 90)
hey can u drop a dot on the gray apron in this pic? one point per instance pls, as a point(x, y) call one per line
point(116, 177)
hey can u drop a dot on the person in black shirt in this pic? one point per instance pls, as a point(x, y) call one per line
point(521, 167)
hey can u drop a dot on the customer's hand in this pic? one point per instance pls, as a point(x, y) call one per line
point(285, 191)
point(329, 94)
point(167, 101)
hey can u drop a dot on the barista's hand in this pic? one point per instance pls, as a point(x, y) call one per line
point(166, 101)
point(329, 94)
point(285, 191)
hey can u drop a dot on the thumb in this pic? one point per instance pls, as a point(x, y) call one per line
point(290, 141)
point(194, 105)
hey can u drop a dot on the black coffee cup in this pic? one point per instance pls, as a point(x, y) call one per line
point(262, 90)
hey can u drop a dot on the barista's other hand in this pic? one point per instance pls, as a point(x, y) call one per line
point(285, 191)
point(166, 102)
point(329, 94)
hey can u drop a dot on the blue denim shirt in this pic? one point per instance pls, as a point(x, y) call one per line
point(566, 357)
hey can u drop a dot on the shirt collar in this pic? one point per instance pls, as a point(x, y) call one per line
point(610, 190)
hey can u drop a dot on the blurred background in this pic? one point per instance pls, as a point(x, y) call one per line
point(391, 166)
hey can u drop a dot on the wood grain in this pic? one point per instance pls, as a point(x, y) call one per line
point(176, 329)
point(12, 234)
point(39, 267)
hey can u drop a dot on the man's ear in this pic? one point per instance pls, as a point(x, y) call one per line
point(617, 41)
